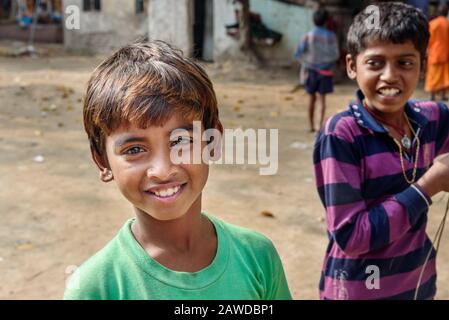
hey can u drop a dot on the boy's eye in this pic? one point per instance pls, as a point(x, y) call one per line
point(182, 140)
point(374, 63)
point(133, 150)
point(406, 63)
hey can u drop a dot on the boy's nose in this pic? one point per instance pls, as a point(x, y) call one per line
point(389, 74)
point(161, 167)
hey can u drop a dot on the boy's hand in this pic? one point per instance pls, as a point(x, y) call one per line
point(436, 179)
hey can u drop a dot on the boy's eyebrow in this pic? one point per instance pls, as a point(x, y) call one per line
point(408, 55)
point(404, 55)
point(128, 139)
point(188, 127)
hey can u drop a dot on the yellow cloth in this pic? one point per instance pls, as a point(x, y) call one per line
point(437, 77)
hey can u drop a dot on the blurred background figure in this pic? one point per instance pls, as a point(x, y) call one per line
point(437, 77)
point(317, 52)
point(46, 11)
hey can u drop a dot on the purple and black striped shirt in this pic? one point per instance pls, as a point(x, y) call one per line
point(376, 221)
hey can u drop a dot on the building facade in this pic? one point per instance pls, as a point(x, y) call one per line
point(106, 24)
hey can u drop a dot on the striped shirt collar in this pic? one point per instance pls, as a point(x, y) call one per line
point(366, 120)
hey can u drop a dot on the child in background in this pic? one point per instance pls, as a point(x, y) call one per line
point(374, 165)
point(317, 53)
point(437, 78)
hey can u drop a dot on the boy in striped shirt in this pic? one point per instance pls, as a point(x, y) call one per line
point(374, 164)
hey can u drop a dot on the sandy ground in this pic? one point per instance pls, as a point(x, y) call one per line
point(56, 213)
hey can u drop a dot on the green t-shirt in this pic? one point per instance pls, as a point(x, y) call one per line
point(246, 266)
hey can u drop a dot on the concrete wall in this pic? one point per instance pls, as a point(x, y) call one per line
point(171, 21)
point(103, 31)
point(224, 46)
point(291, 20)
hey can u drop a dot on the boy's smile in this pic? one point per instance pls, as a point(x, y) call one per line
point(166, 191)
point(142, 168)
point(387, 74)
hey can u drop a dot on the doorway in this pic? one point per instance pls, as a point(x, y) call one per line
point(203, 30)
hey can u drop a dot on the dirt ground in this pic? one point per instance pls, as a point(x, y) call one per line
point(56, 213)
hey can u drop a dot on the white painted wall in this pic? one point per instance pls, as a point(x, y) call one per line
point(291, 20)
point(103, 31)
point(171, 21)
point(225, 47)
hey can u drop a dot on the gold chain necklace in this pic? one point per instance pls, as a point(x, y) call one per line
point(401, 151)
point(415, 166)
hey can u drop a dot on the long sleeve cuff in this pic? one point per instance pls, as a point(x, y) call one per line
point(415, 201)
point(423, 194)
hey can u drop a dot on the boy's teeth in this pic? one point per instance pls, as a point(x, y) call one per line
point(167, 192)
point(389, 92)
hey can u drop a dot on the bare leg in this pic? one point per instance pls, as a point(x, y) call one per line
point(312, 100)
point(322, 101)
point(432, 96)
point(443, 95)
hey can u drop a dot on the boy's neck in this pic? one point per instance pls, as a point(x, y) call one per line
point(187, 244)
point(395, 118)
point(180, 233)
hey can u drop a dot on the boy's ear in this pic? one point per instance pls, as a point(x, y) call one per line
point(351, 67)
point(219, 126)
point(102, 164)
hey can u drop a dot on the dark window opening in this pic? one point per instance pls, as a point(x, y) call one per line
point(203, 30)
point(141, 6)
point(92, 5)
point(198, 27)
point(5, 10)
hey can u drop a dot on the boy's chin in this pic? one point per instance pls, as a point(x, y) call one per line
point(164, 216)
point(389, 105)
point(389, 108)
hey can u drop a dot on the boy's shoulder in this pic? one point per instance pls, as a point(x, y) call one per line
point(425, 105)
point(352, 122)
point(243, 237)
point(344, 124)
point(248, 248)
point(322, 31)
point(427, 111)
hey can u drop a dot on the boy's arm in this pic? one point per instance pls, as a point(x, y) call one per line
point(335, 49)
point(356, 228)
point(277, 286)
point(84, 285)
point(301, 49)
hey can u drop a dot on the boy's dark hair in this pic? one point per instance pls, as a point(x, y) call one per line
point(320, 17)
point(145, 83)
point(398, 23)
